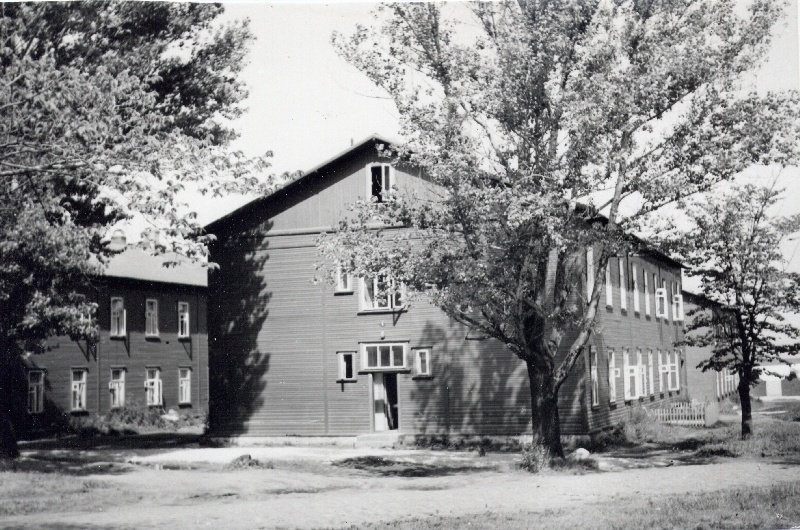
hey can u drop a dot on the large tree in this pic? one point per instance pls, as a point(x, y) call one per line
point(108, 110)
point(732, 242)
point(548, 126)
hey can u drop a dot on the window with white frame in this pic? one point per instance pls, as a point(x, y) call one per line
point(117, 317)
point(641, 390)
point(609, 288)
point(347, 365)
point(635, 287)
point(613, 373)
point(344, 280)
point(383, 356)
point(623, 288)
point(674, 370)
point(646, 294)
point(589, 273)
point(78, 401)
point(381, 293)
point(650, 372)
point(422, 362)
point(381, 180)
point(631, 382)
point(184, 386)
point(116, 387)
point(35, 391)
point(152, 386)
point(593, 376)
point(151, 318)
point(663, 368)
point(677, 302)
point(183, 320)
point(661, 303)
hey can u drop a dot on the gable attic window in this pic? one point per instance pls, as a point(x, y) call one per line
point(384, 356)
point(380, 179)
point(381, 293)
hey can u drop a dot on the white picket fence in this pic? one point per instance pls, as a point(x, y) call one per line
point(688, 414)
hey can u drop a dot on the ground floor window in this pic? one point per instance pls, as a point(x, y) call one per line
point(422, 362)
point(347, 365)
point(613, 373)
point(384, 356)
point(184, 386)
point(78, 401)
point(633, 375)
point(116, 387)
point(674, 370)
point(593, 376)
point(36, 391)
point(650, 372)
point(152, 385)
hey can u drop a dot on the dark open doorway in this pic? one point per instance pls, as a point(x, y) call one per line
point(392, 413)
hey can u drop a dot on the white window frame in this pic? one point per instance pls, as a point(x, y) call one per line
point(35, 391)
point(395, 297)
point(674, 370)
point(677, 305)
point(379, 366)
point(661, 303)
point(78, 389)
point(635, 288)
point(116, 388)
point(151, 317)
point(650, 372)
point(153, 385)
point(427, 371)
point(646, 294)
point(387, 177)
point(641, 389)
point(630, 382)
point(623, 289)
point(589, 273)
point(594, 380)
point(184, 385)
point(662, 371)
point(613, 373)
point(609, 287)
point(342, 364)
point(184, 320)
point(344, 281)
point(118, 327)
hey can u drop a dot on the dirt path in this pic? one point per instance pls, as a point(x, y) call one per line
point(269, 498)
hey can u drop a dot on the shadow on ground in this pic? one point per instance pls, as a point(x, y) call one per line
point(397, 468)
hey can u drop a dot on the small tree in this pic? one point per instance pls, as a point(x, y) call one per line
point(733, 246)
point(519, 111)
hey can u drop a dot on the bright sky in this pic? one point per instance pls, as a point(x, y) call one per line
point(306, 103)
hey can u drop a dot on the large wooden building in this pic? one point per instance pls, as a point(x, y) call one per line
point(291, 357)
point(152, 349)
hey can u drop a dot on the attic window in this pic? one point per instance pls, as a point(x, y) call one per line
point(380, 181)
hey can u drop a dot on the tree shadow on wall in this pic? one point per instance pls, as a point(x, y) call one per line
point(238, 307)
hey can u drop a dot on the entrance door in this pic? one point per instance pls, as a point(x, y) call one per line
point(384, 401)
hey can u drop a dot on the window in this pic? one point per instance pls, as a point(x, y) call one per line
point(184, 386)
point(151, 318)
point(381, 293)
point(631, 382)
point(674, 370)
point(646, 295)
point(661, 303)
point(662, 371)
point(595, 382)
point(183, 320)
point(383, 356)
point(635, 287)
point(613, 373)
point(623, 288)
point(152, 385)
point(609, 289)
point(422, 362)
point(381, 180)
point(347, 365)
point(116, 387)
point(117, 317)
point(650, 371)
point(641, 388)
point(589, 273)
point(677, 303)
point(35, 391)
point(344, 281)
point(78, 389)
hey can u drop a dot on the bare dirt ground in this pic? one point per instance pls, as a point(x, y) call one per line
point(163, 487)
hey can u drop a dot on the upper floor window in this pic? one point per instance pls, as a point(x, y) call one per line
point(347, 368)
point(381, 293)
point(151, 318)
point(609, 288)
point(117, 317)
point(623, 291)
point(35, 391)
point(677, 302)
point(589, 273)
point(635, 287)
point(344, 280)
point(183, 319)
point(661, 303)
point(646, 295)
point(422, 362)
point(381, 180)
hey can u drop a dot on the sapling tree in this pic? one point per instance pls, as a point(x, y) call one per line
point(544, 128)
point(732, 243)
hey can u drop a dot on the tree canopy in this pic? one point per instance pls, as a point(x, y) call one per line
point(546, 127)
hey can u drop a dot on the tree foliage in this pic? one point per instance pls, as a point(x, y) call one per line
point(733, 247)
point(533, 118)
point(108, 110)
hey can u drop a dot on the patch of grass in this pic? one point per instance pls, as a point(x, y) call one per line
point(536, 459)
point(134, 418)
point(398, 468)
point(247, 462)
point(757, 507)
point(24, 493)
point(446, 443)
point(773, 438)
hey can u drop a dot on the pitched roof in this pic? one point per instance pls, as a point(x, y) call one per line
point(136, 264)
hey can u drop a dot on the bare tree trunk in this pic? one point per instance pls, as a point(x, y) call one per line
point(747, 409)
point(545, 422)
